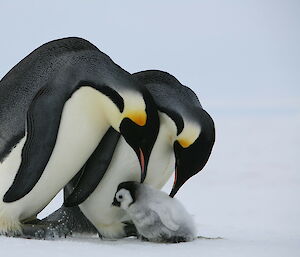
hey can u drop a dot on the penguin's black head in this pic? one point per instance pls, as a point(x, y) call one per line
point(126, 194)
point(190, 159)
point(141, 137)
point(134, 115)
point(195, 128)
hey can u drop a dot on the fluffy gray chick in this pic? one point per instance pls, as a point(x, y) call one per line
point(157, 216)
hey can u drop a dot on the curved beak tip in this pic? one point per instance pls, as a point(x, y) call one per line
point(173, 192)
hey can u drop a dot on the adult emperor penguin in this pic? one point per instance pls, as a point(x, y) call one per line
point(184, 143)
point(191, 134)
point(58, 109)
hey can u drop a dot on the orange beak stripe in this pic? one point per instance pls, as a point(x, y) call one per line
point(142, 161)
point(175, 178)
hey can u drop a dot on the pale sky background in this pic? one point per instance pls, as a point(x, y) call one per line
point(239, 56)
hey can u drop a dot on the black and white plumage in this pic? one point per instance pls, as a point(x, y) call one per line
point(193, 138)
point(183, 145)
point(59, 107)
point(157, 216)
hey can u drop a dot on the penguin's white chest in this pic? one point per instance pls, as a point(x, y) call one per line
point(162, 160)
point(124, 166)
point(98, 208)
point(81, 128)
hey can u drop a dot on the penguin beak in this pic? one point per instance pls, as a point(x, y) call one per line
point(183, 168)
point(141, 157)
point(177, 183)
point(191, 160)
point(141, 141)
point(142, 138)
point(116, 203)
point(143, 154)
point(136, 137)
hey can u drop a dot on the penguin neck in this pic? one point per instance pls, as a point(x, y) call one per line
point(134, 109)
point(168, 126)
point(189, 134)
point(109, 110)
point(162, 160)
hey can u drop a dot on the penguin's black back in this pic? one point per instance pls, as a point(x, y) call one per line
point(19, 86)
point(168, 92)
point(166, 89)
point(24, 80)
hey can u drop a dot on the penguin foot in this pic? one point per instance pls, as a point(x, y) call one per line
point(166, 239)
point(142, 238)
point(65, 222)
point(209, 238)
point(130, 229)
point(11, 234)
point(40, 231)
point(33, 231)
point(177, 239)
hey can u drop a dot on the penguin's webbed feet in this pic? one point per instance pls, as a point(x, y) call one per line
point(130, 229)
point(33, 231)
point(142, 238)
point(49, 230)
point(44, 229)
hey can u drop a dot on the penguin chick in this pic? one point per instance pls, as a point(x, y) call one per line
point(157, 216)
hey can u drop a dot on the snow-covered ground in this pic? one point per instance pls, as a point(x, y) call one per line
point(248, 194)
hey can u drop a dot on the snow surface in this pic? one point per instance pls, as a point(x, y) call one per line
point(242, 59)
point(248, 194)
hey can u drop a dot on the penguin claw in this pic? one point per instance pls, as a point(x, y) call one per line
point(28, 231)
point(11, 234)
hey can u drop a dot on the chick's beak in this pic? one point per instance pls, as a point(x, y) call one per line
point(116, 203)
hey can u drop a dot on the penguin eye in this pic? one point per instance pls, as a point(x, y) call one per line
point(120, 197)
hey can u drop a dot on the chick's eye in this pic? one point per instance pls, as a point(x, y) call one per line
point(120, 197)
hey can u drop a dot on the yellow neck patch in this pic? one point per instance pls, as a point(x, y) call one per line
point(140, 118)
point(189, 134)
point(184, 142)
point(134, 107)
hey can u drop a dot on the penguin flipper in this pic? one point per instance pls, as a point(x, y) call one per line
point(164, 212)
point(69, 188)
point(43, 119)
point(94, 169)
